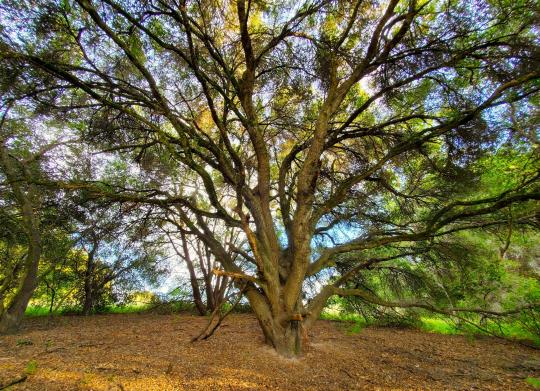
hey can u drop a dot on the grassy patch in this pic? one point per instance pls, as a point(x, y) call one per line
point(356, 328)
point(31, 367)
point(357, 322)
point(33, 311)
point(36, 311)
point(126, 309)
point(508, 330)
point(342, 317)
point(166, 307)
point(439, 326)
point(533, 381)
point(515, 331)
point(114, 309)
point(24, 342)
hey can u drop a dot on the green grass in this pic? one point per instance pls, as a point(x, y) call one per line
point(533, 381)
point(31, 367)
point(33, 311)
point(514, 331)
point(37, 311)
point(126, 309)
point(341, 316)
point(507, 330)
point(24, 342)
point(357, 322)
point(439, 326)
point(131, 308)
point(356, 328)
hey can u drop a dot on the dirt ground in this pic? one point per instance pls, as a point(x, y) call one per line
point(153, 352)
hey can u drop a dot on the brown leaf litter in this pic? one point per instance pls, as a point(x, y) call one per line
point(153, 352)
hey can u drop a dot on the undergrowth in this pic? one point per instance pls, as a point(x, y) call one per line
point(438, 325)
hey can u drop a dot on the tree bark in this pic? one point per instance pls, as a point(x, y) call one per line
point(11, 317)
point(88, 304)
point(192, 277)
point(284, 332)
point(211, 297)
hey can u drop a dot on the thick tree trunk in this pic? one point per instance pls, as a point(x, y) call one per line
point(210, 294)
point(289, 340)
point(12, 317)
point(285, 333)
point(286, 337)
point(13, 314)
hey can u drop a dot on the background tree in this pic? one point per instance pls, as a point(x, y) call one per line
point(34, 226)
point(122, 250)
point(204, 269)
point(325, 130)
point(110, 254)
point(57, 288)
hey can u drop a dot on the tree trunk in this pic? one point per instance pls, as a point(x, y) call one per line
point(11, 318)
point(206, 269)
point(209, 290)
point(288, 341)
point(286, 334)
point(88, 304)
point(193, 278)
point(195, 288)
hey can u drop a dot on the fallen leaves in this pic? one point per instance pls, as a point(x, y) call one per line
point(153, 352)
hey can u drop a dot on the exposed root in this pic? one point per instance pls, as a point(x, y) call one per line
point(10, 383)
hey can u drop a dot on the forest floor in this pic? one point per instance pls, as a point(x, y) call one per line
point(153, 352)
